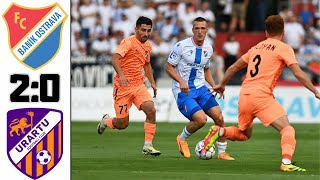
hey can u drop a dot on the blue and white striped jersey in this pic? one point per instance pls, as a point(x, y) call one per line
point(190, 61)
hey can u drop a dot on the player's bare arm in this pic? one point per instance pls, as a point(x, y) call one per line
point(148, 71)
point(208, 77)
point(116, 65)
point(170, 69)
point(303, 78)
point(234, 68)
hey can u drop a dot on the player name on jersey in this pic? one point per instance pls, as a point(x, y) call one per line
point(269, 47)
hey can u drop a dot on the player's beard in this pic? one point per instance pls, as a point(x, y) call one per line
point(144, 39)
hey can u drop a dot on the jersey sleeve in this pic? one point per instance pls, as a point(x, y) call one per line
point(175, 54)
point(208, 64)
point(123, 47)
point(288, 56)
point(246, 56)
point(149, 52)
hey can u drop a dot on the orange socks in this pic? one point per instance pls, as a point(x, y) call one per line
point(149, 130)
point(109, 123)
point(234, 134)
point(288, 142)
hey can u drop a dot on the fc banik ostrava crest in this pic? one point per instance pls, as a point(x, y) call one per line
point(34, 34)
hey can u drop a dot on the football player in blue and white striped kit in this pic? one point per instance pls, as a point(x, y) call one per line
point(189, 67)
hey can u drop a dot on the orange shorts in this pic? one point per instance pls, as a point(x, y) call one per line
point(265, 107)
point(123, 99)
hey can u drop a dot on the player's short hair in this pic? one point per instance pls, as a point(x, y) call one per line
point(199, 19)
point(143, 20)
point(274, 25)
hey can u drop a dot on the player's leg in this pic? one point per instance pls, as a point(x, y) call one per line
point(288, 143)
point(212, 108)
point(246, 108)
point(143, 101)
point(275, 115)
point(199, 119)
point(234, 19)
point(241, 133)
point(149, 128)
point(150, 123)
point(242, 18)
point(112, 123)
point(216, 114)
point(122, 104)
point(191, 110)
point(245, 121)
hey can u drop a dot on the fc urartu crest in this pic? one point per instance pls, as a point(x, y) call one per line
point(34, 33)
point(34, 140)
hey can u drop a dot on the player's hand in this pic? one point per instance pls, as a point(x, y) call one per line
point(123, 81)
point(153, 85)
point(221, 95)
point(317, 95)
point(184, 87)
point(219, 89)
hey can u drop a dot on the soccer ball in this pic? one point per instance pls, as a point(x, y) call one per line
point(208, 154)
point(43, 157)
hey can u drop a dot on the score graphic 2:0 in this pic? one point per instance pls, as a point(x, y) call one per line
point(16, 96)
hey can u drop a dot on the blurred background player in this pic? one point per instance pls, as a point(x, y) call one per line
point(189, 67)
point(264, 63)
point(130, 59)
point(239, 11)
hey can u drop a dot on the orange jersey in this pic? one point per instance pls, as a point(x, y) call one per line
point(134, 56)
point(265, 62)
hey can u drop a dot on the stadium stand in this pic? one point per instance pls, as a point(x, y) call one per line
point(98, 26)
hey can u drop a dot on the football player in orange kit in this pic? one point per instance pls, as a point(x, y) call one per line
point(264, 63)
point(130, 59)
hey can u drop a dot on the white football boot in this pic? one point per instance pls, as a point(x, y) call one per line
point(149, 150)
point(102, 124)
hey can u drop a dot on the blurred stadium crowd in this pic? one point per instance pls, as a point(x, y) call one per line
point(98, 26)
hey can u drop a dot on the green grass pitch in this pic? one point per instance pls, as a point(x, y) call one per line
point(117, 155)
